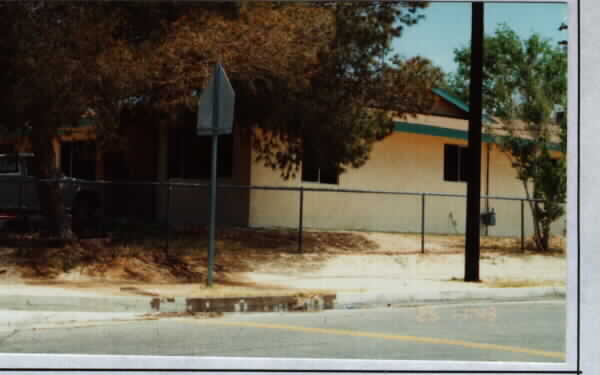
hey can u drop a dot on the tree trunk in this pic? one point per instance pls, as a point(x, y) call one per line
point(51, 200)
point(533, 212)
point(540, 232)
point(545, 237)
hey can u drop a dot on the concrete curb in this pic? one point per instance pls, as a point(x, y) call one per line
point(84, 304)
point(165, 304)
point(144, 304)
point(350, 300)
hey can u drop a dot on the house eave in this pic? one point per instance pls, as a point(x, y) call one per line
point(438, 131)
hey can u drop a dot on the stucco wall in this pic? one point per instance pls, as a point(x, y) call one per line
point(401, 162)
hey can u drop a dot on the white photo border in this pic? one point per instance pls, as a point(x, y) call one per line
point(583, 357)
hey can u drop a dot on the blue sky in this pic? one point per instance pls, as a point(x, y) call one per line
point(448, 26)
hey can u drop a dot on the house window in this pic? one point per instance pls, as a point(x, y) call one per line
point(7, 148)
point(455, 163)
point(190, 155)
point(30, 168)
point(78, 159)
point(316, 169)
point(9, 164)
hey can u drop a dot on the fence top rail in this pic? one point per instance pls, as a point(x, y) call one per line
point(364, 191)
point(176, 184)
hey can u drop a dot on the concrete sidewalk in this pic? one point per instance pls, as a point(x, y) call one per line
point(55, 299)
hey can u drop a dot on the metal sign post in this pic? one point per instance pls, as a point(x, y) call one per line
point(215, 117)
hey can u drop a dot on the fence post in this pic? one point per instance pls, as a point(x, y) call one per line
point(423, 223)
point(522, 224)
point(21, 194)
point(102, 224)
point(20, 240)
point(168, 216)
point(300, 219)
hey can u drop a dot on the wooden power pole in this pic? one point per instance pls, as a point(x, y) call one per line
point(474, 151)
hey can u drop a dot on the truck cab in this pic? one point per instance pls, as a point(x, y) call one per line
point(17, 184)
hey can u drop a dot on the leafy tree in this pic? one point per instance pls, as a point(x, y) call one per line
point(300, 70)
point(524, 85)
point(69, 58)
point(345, 107)
point(53, 75)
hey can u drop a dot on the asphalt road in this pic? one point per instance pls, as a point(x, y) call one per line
point(532, 331)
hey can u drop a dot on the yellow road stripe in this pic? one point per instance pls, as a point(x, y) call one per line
point(375, 335)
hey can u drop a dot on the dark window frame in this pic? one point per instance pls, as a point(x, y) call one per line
point(316, 170)
point(455, 163)
point(189, 155)
point(10, 160)
point(78, 159)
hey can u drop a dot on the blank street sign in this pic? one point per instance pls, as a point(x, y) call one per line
point(218, 97)
point(215, 117)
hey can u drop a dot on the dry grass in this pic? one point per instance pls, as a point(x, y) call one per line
point(499, 283)
point(495, 245)
point(104, 261)
point(185, 260)
point(512, 283)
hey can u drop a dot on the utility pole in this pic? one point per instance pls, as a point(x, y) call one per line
point(472, 240)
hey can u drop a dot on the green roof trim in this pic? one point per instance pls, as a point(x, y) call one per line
point(86, 122)
point(460, 104)
point(68, 130)
point(452, 99)
point(436, 131)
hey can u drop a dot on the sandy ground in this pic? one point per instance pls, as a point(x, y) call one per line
point(403, 265)
point(343, 261)
point(375, 272)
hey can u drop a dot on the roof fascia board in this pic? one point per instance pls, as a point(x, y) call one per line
point(436, 131)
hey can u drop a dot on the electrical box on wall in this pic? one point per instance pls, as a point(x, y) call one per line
point(489, 218)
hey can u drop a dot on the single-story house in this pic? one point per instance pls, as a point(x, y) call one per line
point(422, 155)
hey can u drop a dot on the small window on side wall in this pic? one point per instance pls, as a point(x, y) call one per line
point(315, 169)
point(190, 155)
point(455, 163)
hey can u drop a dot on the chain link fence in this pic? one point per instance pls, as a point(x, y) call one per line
point(177, 213)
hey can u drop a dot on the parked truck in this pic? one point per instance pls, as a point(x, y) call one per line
point(20, 204)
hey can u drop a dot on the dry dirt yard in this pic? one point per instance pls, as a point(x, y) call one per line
point(267, 262)
point(397, 260)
